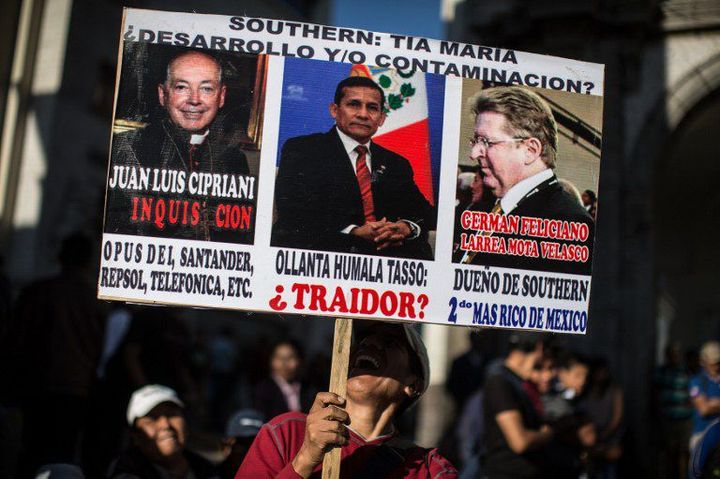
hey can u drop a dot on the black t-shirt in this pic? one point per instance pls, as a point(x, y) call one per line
point(504, 392)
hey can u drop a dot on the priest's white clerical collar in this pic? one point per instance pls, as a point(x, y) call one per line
point(522, 188)
point(199, 139)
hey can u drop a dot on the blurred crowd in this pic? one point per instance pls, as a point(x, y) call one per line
point(91, 389)
point(536, 410)
point(97, 386)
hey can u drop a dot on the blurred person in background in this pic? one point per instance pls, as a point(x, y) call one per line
point(283, 390)
point(603, 405)
point(674, 410)
point(463, 194)
point(224, 360)
point(542, 378)
point(515, 436)
point(574, 431)
point(240, 432)
point(159, 432)
point(589, 201)
point(471, 195)
point(155, 350)
point(569, 383)
point(705, 390)
point(467, 372)
point(465, 380)
point(471, 427)
point(705, 458)
point(58, 334)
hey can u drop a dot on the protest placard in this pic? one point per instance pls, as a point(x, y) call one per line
point(229, 185)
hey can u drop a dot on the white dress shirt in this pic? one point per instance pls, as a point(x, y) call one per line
point(511, 199)
point(350, 144)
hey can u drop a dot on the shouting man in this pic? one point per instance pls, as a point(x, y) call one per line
point(389, 371)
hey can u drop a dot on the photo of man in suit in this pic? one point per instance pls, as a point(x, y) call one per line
point(340, 191)
point(515, 143)
point(187, 137)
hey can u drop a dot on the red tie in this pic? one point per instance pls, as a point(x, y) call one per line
point(363, 176)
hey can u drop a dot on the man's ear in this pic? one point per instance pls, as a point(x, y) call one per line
point(412, 390)
point(333, 110)
point(221, 103)
point(161, 94)
point(383, 115)
point(534, 150)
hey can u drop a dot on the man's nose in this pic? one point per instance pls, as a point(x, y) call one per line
point(476, 152)
point(163, 422)
point(194, 96)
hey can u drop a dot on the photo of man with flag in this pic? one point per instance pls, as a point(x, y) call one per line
point(366, 185)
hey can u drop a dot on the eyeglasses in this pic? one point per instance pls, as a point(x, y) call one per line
point(474, 140)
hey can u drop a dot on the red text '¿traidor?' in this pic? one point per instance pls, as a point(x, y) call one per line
point(366, 301)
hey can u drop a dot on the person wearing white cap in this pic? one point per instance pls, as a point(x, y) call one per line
point(705, 390)
point(156, 416)
point(389, 371)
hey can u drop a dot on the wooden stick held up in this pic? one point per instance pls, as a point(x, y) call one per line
point(338, 385)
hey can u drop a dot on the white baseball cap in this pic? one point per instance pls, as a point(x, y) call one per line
point(146, 398)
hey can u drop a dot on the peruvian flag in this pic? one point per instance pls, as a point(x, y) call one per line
point(406, 130)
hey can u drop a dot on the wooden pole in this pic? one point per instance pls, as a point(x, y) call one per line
point(338, 385)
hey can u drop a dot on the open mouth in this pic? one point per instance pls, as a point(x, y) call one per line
point(363, 361)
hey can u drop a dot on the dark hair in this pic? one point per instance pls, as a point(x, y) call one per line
point(526, 113)
point(550, 355)
point(568, 359)
point(357, 81)
point(290, 342)
point(525, 341)
point(591, 194)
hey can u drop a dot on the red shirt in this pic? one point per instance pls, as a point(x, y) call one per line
point(277, 443)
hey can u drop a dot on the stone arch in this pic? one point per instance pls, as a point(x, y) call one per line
point(700, 82)
point(674, 104)
point(678, 173)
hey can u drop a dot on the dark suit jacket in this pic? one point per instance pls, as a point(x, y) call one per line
point(550, 201)
point(163, 145)
point(317, 196)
